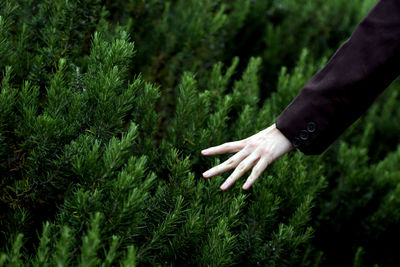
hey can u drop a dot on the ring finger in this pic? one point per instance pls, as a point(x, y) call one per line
point(256, 172)
point(243, 167)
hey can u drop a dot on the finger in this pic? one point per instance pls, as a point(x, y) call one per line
point(256, 172)
point(243, 167)
point(228, 164)
point(224, 148)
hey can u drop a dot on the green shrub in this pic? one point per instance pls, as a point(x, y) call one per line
point(105, 106)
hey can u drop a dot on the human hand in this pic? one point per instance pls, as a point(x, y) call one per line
point(260, 149)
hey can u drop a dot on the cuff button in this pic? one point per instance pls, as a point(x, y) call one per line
point(311, 126)
point(296, 142)
point(303, 135)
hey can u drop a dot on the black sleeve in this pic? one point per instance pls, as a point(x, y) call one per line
point(343, 90)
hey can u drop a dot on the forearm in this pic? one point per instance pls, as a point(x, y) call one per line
point(343, 90)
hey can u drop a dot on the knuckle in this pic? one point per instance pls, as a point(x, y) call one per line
point(257, 173)
point(268, 161)
point(266, 151)
point(251, 179)
point(255, 143)
point(230, 162)
point(241, 167)
point(227, 145)
point(242, 144)
point(257, 156)
point(252, 143)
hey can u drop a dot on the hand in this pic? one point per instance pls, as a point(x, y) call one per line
point(260, 150)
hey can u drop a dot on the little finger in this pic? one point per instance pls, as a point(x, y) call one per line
point(256, 172)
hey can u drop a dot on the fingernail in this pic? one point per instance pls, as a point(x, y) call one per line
point(207, 174)
point(223, 186)
point(204, 151)
point(245, 186)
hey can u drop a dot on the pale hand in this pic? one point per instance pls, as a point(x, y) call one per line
point(260, 149)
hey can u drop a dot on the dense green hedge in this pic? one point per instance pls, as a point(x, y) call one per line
point(105, 106)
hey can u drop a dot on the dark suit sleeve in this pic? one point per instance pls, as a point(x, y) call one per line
point(343, 90)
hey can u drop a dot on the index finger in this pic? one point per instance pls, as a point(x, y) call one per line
point(224, 148)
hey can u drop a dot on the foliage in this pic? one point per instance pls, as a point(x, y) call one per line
point(105, 106)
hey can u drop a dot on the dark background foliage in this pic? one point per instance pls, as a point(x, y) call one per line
point(105, 106)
